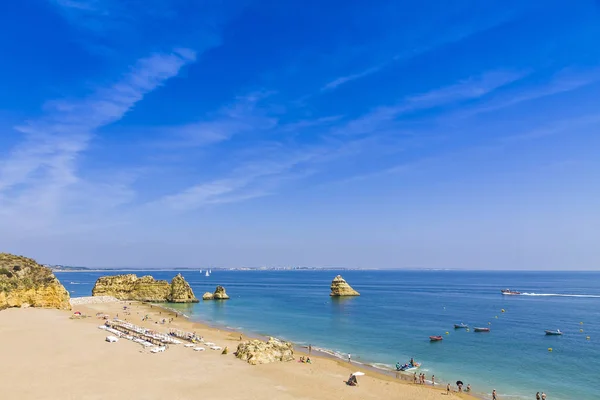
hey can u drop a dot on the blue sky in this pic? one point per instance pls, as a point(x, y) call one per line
point(384, 134)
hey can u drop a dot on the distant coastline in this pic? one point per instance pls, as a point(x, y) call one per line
point(85, 269)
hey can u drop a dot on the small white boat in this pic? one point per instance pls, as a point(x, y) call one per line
point(207, 273)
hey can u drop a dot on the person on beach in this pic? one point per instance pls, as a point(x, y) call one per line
point(468, 389)
point(308, 360)
point(448, 389)
point(460, 388)
point(543, 396)
point(494, 395)
point(349, 357)
point(537, 396)
point(415, 378)
point(432, 380)
point(309, 348)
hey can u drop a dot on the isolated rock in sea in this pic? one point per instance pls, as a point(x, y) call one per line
point(220, 294)
point(146, 288)
point(259, 352)
point(339, 287)
point(25, 283)
point(181, 292)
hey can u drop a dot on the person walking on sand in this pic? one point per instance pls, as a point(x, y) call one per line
point(494, 395)
point(349, 357)
point(537, 396)
point(543, 396)
point(432, 380)
point(448, 389)
point(415, 378)
point(309, 348)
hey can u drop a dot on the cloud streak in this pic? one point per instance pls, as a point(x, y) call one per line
point(36, 171)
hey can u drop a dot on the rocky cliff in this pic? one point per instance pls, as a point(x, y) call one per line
point(339, 287)
point(181, 292)
point(219, 294)
point(259, 352)
point(146, 288)
point(25, 283)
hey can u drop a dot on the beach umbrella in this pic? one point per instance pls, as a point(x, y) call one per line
point(459, 383)
point(358, 373)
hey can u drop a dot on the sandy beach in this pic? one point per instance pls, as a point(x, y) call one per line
point(48, 355)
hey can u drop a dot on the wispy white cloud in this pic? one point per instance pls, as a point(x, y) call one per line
point(242, 116)
point(348, 78)
point(35, 173)
point(382, 119)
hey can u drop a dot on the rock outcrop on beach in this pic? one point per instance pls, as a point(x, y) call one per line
point(219, 294)
point(25, 283)
point(259, 352)
point(146, 288)
point(181, 292)
point(339, 287)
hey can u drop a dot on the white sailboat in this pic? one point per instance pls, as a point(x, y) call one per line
point(200, 271)
point(207, 273)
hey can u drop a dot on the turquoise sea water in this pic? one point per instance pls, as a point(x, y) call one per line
point(398, 310)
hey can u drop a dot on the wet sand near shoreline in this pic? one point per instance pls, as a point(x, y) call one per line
point(47, 355)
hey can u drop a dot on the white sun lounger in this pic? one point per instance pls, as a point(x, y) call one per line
point(112, 339)
point(216, 348)
point(199, 349)
point(209, 343)
point(189, 345)
point(158, 349)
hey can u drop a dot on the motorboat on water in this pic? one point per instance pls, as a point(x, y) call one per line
point(435, 338)
point(509, 292)
point(481, 329)
point(461, 325)
point(554, 333)
point(410, 366)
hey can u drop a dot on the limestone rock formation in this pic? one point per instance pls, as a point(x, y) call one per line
point(259, 352)
point(181, 292)
point(219, 294)
point(339, 287)
point(146, 288)
point(25, 283)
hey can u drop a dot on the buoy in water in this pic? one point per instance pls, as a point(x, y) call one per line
point(550, 349)
point(587, 338)
point(489, 323)
point(503, 310)
point(581, 330)
point(496, 317)
point(581, 323)
point(447, 333)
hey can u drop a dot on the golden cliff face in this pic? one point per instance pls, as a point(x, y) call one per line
point(25, 283)
point(146, 288)
point(339, 287)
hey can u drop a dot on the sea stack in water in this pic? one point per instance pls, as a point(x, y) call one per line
point(219, 294)
point(339, 287)
point(259, 352)
point(146, 288)
point(25, 283)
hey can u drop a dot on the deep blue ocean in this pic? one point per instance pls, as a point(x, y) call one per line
point(398, 310)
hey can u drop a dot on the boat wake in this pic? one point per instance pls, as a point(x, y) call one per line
point(561, 295)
